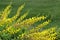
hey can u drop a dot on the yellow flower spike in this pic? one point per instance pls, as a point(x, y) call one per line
point(22, 17)
point(6, 12)
point(23, 35)
point(20, 8)
point(33, 34)
point(11, 32)
point(54, 34)
point(44, 35)
point(8, 28)
point(31, 21)
point(17, 30)
point(18, 12)
point(40, 26)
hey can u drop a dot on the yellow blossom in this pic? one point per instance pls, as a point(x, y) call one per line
point(31, 21)
point(44, 35)
point(39, 26)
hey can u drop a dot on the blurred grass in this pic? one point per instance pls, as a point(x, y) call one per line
point(37, 7)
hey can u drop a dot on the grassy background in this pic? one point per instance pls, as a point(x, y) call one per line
point(36, 7)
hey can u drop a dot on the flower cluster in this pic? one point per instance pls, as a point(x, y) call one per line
point(18, 28)
point(48, 34)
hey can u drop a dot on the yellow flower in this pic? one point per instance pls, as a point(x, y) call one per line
point(17, 30)
point(44, 35)
point(40, 26)
point(31, 21)
point(6, 12)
